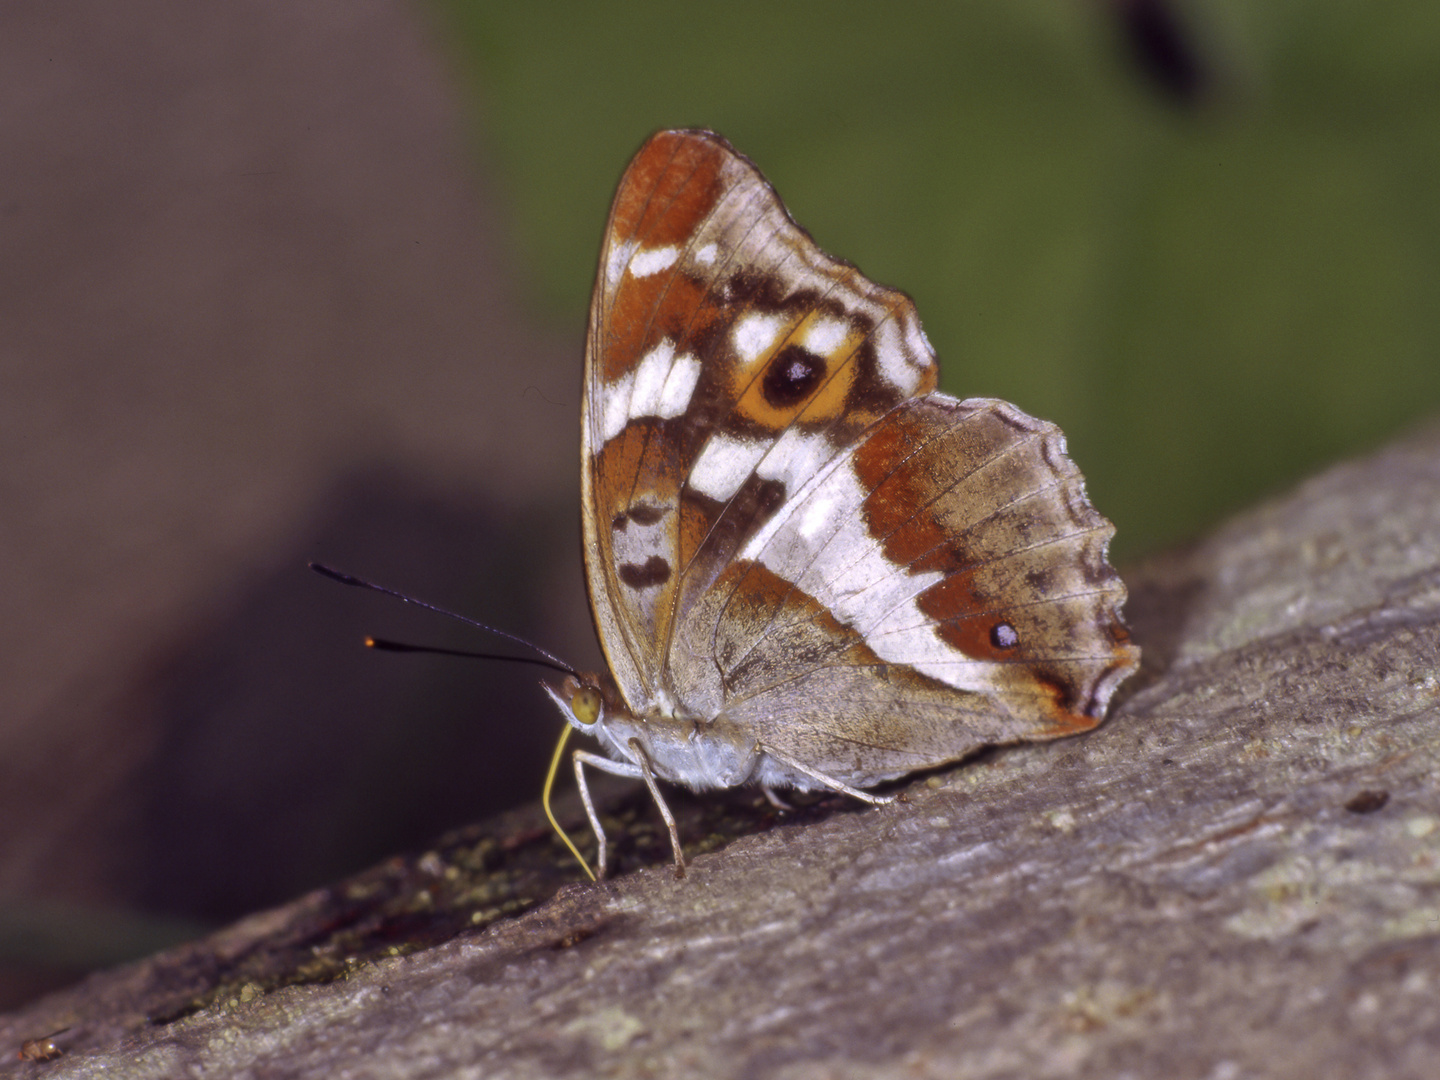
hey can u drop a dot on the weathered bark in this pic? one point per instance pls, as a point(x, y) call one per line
point(1237, 875)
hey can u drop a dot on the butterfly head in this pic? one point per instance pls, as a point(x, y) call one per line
point(586, 702)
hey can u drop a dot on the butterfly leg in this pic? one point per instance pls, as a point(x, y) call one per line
point(617, 768)
point(649, 775)
point(828, 781)
point(774, 799)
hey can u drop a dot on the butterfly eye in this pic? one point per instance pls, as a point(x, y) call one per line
point(585, 705)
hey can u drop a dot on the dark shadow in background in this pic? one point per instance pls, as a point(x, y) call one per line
point(292, 755)
point(1163, 50)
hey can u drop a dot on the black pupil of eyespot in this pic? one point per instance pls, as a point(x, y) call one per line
point(791, 376)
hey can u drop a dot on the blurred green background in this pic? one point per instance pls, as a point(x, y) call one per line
point(1201, 237)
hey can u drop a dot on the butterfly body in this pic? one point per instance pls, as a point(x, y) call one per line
point(700, 753)
point(808, 567)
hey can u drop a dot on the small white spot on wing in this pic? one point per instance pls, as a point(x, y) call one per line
point(755, 334)
point(615, 265)
point(724, 465)
point(707, 255)
point(899, 365)
point(615, 406)
point(820, 510)
point(826, 335)
point(653, 260)
point(650, 376)
point(675, 398)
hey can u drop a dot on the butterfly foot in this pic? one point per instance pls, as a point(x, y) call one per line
point(775, 800)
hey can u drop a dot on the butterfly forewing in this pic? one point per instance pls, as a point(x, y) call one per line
point(729, 359)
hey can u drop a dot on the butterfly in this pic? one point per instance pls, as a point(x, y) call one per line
point(808, 568)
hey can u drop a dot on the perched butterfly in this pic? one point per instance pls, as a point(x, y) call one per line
point(808, 568)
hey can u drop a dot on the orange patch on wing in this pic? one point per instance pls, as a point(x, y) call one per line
point(923, 545)
point(828, 402)
point(896, 510)
point(628, 325)
point(832, 391)
point(695, 523)
point(758, 588)
point(760, 595)
point(635, 326)
point(689, 312)
point(672, 183)
point(618, 476)
point(967, 619)
point(971, 634)
point(954, 597)
point(1062, 722)
point(894, 441)
point(1059, 719)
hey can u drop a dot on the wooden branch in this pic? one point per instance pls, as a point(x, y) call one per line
point(1237, 875)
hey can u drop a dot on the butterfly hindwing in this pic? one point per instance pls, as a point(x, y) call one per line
point(964, 597)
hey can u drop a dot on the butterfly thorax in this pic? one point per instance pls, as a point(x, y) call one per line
point(700, 753)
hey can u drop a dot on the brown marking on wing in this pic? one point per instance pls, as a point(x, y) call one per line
point(1061, 714)
point(652, 572)
point(964, 619)
point(620, 483)
point(644, 312)
point(902, 486)
point(756, 595)
point(709, 537)
point(669, 188)
point(644, 515)
point(628, 498)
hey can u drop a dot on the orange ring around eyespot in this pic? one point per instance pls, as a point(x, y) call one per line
point(827, 402)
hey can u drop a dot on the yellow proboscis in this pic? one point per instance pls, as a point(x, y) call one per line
point(545, 802)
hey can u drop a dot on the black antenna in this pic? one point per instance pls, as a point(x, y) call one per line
point(386, 645)
point(550, 661)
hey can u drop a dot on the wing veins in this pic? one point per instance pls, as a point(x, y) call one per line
point(826, 465)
